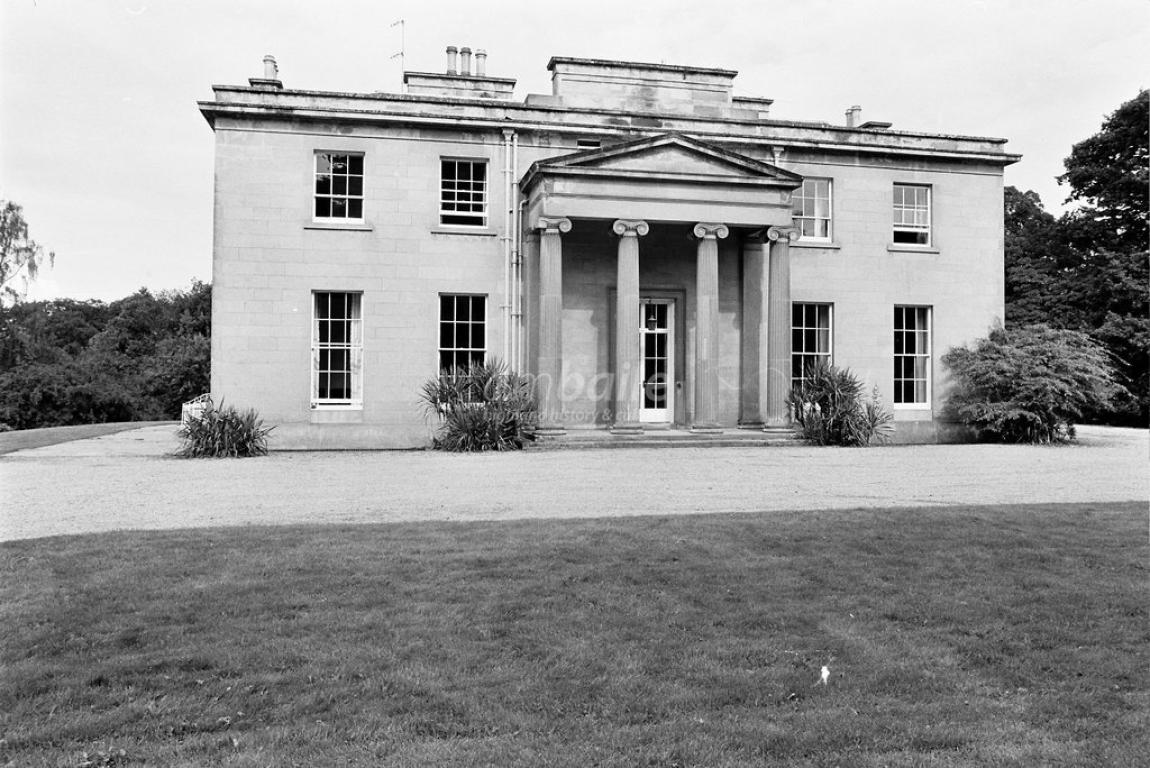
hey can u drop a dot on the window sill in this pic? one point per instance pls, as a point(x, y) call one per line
point(352, 226)
point(461, 230)
point(909, 248)
point(911, 411)
point(824, 244)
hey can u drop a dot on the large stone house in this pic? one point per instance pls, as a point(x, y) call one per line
point(658, 251)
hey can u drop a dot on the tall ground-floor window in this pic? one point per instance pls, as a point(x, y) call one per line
point(912, 355)
point(336, 349)
point(462, 331)
point(811, 338)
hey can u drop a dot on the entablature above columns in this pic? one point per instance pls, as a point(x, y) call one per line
point(665, 178)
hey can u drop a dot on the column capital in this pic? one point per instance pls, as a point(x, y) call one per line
point(775, 234)
point(553, 224)
point(630, 227)
point(708, 231)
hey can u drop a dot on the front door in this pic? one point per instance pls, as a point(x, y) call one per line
point(657, 350)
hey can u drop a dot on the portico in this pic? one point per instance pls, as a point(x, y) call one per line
point(657, 284)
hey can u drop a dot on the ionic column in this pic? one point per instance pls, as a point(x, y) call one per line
point(628, 365)
point(778, 377)
point(706, 416)
point(753, 397)
point(548, 381)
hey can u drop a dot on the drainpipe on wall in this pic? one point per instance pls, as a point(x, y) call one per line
point(516, 253)
point(508, 348)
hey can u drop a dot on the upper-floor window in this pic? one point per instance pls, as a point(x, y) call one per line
point(912, 214)
point(463, 192)
point(338, 186)
point(811, 208)
point(336, 349)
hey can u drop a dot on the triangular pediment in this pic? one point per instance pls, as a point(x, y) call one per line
point(669, 155)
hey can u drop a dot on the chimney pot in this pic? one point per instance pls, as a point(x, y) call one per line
point(271, 69)
point(854, 116)
point(451, 60)
point(465, 61)
point(480, 62)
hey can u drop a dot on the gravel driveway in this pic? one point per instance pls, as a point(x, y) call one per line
point(126, 480)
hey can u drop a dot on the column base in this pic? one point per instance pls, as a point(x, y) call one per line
point(706, 429)
point(779, 430)
point(550, 430)
point(632, 428)
point(753, 425)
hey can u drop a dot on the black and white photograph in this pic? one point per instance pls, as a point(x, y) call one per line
point(665, 384)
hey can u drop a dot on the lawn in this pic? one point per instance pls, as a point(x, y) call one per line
point(960, 636)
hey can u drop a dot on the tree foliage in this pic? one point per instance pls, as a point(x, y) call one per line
point(1110, 173)
point(1029, 385)
point(20, 256)
point(1089, 270)
point(74, 362)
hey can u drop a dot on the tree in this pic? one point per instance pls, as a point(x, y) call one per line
point(1109, 173)
point(1038, 263)
point(20, 256)
point(75, 362)
point(1089, 269)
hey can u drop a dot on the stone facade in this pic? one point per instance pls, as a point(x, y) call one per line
point(635, 201)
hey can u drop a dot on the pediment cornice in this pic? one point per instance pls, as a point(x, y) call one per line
point(665, 158)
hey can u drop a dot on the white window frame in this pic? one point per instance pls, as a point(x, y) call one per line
point(351, 343)
point(452, 187)
point(346, 196)
point(800, 354)
point(454, 349)
point(799, 206)
point(924, 314)
point(915, 217)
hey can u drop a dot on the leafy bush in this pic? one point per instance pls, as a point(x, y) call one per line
point(1030, 384)
point(482, 408)
point(829, 409)
point(224, 432)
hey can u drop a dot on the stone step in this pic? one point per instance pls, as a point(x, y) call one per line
point(658, 439)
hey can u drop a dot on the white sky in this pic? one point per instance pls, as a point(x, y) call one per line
point(102, 143)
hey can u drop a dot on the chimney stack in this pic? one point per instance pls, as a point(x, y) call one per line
point(480, 62)
point(451, 63)
point(465, 61)
point(854, 116)
point(271, 78)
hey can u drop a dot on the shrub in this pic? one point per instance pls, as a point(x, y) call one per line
point(482, 408)
point(1030, 384)
point(224, 432)
point(829, 409)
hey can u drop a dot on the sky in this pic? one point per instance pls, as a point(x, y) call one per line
point(103, 145)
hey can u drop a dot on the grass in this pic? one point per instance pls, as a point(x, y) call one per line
point(961, 636)
point(19, 439)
